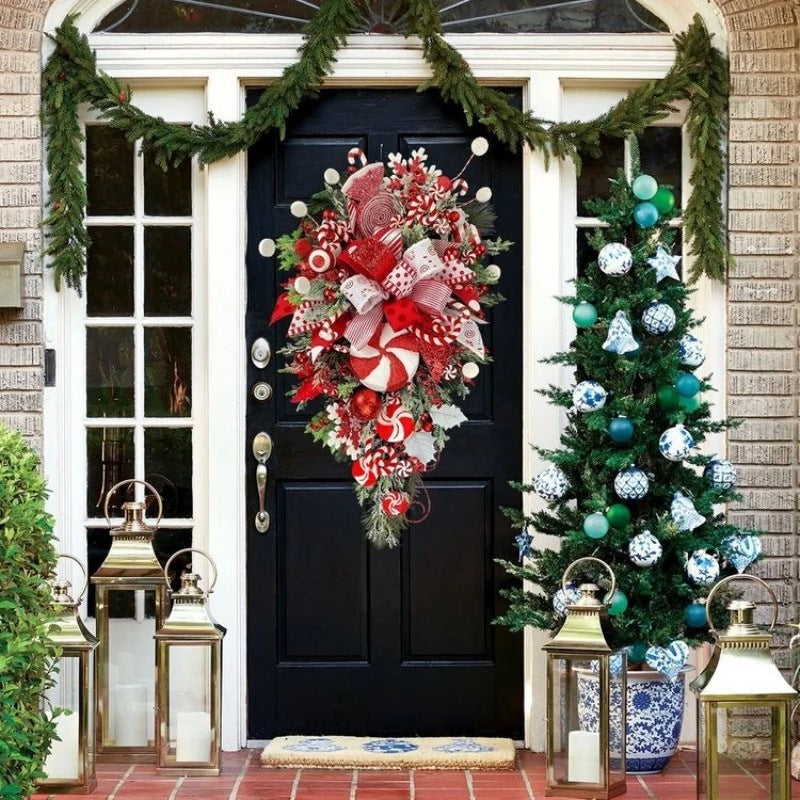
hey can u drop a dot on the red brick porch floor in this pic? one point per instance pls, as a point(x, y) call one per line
point(243, 778)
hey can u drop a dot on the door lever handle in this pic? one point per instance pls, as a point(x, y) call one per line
point(262, 517)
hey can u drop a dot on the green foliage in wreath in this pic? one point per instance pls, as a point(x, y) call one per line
point(27, 560)
point(71, 77)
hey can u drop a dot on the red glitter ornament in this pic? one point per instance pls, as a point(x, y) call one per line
point(365, 403)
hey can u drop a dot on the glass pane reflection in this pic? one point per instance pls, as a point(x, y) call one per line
point(109, 172)
point(167, 192)
point(109, 372)
point(109, 271)
point(167, 372)
point(109, 458)
point(168, 466)
point(167, 271)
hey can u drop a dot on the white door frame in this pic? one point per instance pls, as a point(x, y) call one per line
point(542, 65)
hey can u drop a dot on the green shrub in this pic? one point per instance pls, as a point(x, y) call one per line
point(27, 559)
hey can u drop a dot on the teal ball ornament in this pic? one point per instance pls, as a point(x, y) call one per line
point(617, 603)
point(584, 315)
point(687, 385)
point(636, 652)
point(690, 404)
point(645, 214)
point(695, 615)
point(644, 187)
point(596, 526)
point(618, 516)
point(663, 200)
point(621, 430)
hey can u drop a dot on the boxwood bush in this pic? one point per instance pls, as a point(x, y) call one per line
point(27, 560)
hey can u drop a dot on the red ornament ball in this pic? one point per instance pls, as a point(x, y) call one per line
point(365, 403)
point(444, 183)
point(303, 247)
point(394, 503)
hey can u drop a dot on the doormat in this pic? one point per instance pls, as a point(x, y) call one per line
point(364, 752)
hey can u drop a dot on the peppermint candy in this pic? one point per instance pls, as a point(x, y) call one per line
point(394, 423)
point(394, 503)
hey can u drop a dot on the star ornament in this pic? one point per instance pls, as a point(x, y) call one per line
point(664, 264)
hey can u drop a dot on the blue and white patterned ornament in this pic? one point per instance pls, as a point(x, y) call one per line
point(741, 550)
point(552, 484)
point(720, 473)
point(676, 443)
point(702, 568)
point(664, 264)
point(615, 259)
point(684, 514)
point(670, 660)
point(631, 483)
point(562, 599)
point(588, 396)
point(620, 336)
point(691, 351)
point(658, 318)
point(644, 549)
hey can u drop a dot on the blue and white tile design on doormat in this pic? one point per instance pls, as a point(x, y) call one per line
point(365, 752)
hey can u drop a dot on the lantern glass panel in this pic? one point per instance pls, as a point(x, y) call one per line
point(64, 761)
point(191, 734)
point(616, 720)
point(755, 765)
point(130, 680)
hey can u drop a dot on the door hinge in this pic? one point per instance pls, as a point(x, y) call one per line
point(49, 367)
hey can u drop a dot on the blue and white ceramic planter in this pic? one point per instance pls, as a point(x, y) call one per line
point(654, 716)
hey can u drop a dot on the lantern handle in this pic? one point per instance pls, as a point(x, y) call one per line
point(83, 570)
point(730, 578)
point(191, 550)
point(134, 480)
point(597, 561)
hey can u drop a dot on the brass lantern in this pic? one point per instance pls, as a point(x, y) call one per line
point(69, 767)
point(741, 676)
point(188, 664)
point(130, 606)
point(586, 689)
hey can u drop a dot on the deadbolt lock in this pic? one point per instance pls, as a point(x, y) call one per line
point(260, 352)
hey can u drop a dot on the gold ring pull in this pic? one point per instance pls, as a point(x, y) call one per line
point(83, 570)
point(596, 561)
point(143, 483)
point(730, 578)
point(191, 550)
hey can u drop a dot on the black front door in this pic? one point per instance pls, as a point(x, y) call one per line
point(344, 638)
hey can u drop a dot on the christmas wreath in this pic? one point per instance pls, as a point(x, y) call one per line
point(387, 298)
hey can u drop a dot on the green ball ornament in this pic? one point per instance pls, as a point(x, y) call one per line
point(695, 615)
point(690, 403)
point(617, 603)
point(687, 385)
point(644, 187)
point(645, 214)
point(663, 200)
point(637, 652)
point(618, 516)
point(621, 430)
point(595, 526)
point(584, 315)
point(668, 397)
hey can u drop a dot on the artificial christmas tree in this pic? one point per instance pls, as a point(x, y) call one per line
point(629, 484)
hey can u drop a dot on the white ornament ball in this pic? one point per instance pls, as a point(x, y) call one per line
point(702, 568)
point(552, 484)
point(484, 194)
point(302, 285)
point(589, 396)
point(266, 248)
point(691, 351)
point(298, 209)
point(676, 443)
point(658, 318)
point(644, 549)
point(631, 483)
point(470, 370)
point(331, 176)
point(493, 272)
point(720, 473)
point(479, 146)
point(615, 259)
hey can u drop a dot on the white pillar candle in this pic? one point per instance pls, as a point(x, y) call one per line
point(62, 762)
point(131, 715)
point(584, 757)
point(193, 736)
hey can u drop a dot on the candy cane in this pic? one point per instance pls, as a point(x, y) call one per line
point(461, 186)
point(356, 153)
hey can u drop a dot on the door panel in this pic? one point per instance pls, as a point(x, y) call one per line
point(344, 638)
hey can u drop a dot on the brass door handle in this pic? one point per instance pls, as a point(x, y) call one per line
point(262, 450)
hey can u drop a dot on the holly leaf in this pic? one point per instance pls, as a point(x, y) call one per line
point(447, 416)
point(421, 445)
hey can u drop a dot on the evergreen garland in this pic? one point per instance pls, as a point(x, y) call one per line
point(71, 77)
